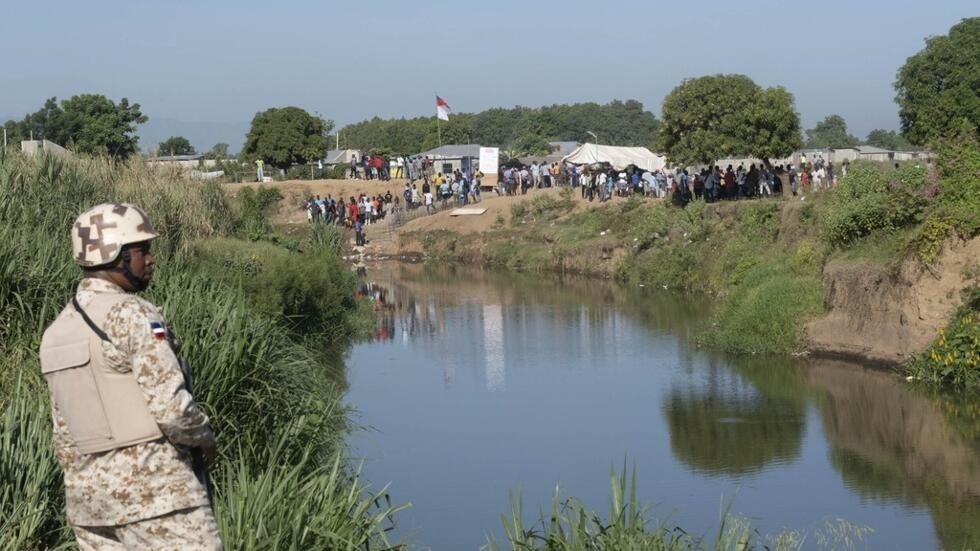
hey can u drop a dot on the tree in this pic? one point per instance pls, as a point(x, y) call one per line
point(219, 151)
point(939, 87)
point(887, 139)
point(830, 132)
point(86, 123)
point(717, 116)
point(175, 145)
point(285, 136)
point(618, 122)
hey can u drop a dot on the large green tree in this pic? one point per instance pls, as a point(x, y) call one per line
point(175, 145)
point(86, 123)
point(830, 132)
point(939, 87)
point(218, 151)
point(711, 117)
point(887, 139)
point(284, 136)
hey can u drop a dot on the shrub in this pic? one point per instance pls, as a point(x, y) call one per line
point(953, 358)
point(959, 187)
point(869, 200)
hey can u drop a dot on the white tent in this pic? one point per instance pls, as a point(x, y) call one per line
point(618, 157)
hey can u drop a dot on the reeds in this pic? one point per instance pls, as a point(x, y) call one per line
point(628, 526)
point(283, 480)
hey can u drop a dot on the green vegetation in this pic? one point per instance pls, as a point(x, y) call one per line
point(830, 132)
point(712, 117)
point(887, 139)
point(175, 145)
point(285, 136)
point(518, 130)
point(628, 526)
point(283, 480)
point(86, 123)
point(867, 203)
point(953, 359)
point(938, 89)
point(543, 207)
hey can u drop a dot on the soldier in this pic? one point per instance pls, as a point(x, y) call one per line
point(125, 423)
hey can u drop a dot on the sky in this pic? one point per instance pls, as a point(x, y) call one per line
point(222, 61)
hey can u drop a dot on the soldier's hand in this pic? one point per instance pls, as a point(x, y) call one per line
point(210, 455)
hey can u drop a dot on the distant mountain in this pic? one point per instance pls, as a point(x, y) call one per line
point(202, 135)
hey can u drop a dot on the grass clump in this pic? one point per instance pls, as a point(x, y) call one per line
point(629, 526)
point(543, 207)
point(764, 315)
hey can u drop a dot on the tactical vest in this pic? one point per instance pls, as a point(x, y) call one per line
point(103, 408)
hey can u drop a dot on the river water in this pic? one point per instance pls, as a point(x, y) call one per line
point(479, 385)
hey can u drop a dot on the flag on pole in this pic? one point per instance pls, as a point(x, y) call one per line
point(442, 109)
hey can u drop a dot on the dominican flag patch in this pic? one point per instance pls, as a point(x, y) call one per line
point(159, 331)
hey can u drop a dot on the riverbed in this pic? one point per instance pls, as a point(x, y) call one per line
point(481, 387)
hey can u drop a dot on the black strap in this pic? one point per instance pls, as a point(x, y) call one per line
point(89, 322)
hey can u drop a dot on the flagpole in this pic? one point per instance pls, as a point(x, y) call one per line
point(438, 130)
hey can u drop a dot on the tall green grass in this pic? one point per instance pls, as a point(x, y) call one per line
point(267, 371)
point(629, 526)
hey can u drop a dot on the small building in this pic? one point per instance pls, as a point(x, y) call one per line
point(192, 161)
point(872, 153)
point(448, 158)
point(841, 155)
point(914, 155)
point(341, 156)
point(34, 147)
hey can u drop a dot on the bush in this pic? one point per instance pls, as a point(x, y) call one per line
point(310, 290)
point(336, 172)
point(870, 200)
point(953, 359)
point(959, 187)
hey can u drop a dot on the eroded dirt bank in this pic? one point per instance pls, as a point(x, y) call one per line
point(885, 316)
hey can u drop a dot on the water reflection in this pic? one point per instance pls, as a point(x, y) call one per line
point(733, 433)
point(890, 443)
point(726, 418)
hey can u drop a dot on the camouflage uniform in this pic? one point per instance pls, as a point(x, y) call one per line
point(147, 490)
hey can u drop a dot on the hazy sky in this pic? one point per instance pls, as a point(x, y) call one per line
point(224, 60)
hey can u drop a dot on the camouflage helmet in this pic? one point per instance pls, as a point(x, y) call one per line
point(100, 233)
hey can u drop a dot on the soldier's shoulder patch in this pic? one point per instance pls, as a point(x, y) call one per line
point(159, 330)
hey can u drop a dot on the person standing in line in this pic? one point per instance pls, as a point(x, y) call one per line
point(793, 183)
point(358, 233)
point(132, 443)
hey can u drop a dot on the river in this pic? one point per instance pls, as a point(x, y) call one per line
point(478, 385)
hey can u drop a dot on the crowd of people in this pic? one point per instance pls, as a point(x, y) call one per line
point(431, 190)
point(458, 188)
point(384, 168)
point(681, 185)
